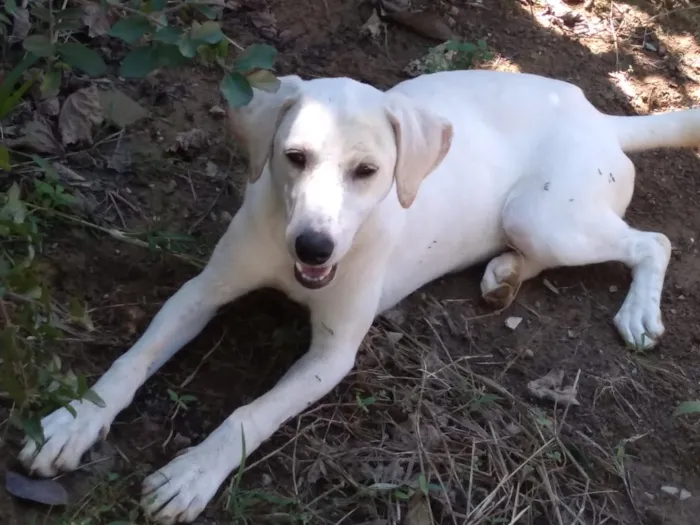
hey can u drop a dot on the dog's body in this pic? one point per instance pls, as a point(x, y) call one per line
point(334, 218)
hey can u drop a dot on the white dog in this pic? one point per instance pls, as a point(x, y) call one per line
point(523, 171)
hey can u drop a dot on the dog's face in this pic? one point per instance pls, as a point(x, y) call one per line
point(334, 148)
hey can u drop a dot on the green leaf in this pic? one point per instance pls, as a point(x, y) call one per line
point(9, 103)
point(119, 108)
point(40, 45)
point(139, 62)
point(423, 483)
point(170, 56)
point(83, 58)
point(4, 158)
point(236, 90)
point(265, 80)
point(10, 7)
point(94, 398)
point(79, 314)
point(153, 5)
point(8, 99)
point(208, 33)
point(130, 29)
point(207, 11)
point(256, 56)
point(168, 35)
point(687, 407)
point(32, 427)
point(187, 46)
point(222, 48)
point(48, 168)
point(50, 84)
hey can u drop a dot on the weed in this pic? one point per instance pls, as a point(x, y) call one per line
point(33, 377)
point(454, 54)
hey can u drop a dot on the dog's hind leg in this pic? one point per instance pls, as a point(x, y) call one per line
point(547, 233)
point(232, 270)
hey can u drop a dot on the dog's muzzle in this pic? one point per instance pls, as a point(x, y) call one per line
point(313, 250)
point(314, 277)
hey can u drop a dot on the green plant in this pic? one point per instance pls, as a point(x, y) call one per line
point(31, 373)
point(153, 29)
point(455, 54)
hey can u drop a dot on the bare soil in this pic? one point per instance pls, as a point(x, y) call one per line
point(440, 388)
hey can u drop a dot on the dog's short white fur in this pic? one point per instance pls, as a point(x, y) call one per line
point(357, 198)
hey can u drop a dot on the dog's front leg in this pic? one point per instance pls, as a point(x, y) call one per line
point(179, 491)
point(231, 271)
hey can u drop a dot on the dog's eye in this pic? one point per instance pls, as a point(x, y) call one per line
point(365, 170)
point(296, 157)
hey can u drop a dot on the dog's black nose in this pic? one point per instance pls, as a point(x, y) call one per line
point(313, 247)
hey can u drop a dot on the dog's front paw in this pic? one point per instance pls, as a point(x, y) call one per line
point(639, 321)
point(179, 492)
point(67, 437)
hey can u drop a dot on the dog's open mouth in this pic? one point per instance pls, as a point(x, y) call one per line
point(314, 277)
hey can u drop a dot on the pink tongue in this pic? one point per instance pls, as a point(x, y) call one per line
point(314, 271)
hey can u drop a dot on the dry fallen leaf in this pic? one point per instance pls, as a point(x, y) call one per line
point(119, 108)
point(37, 136)
point(428, 25)
point(550, 387)
point(418, 511)
point(190, 142)
point(373, 26)
point(21, 24)
point(80, 112)
point(96, 19)
point(44, 491)
point(49, 107)
point(265, 22)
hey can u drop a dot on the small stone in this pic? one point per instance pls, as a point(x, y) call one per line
point(266, 480)
point(170, 186)
point(571, 334)
point(225, 217)
point(668, 489)
point(513, 322)
point(684, 495)
point(528, 353)
point(49, 107)
point(212, 170)
point(395, 315)
point(217, 111)
point(513, 429)
point(649, 496)
point(394, 337)
point(180, 441)
point(613, 289)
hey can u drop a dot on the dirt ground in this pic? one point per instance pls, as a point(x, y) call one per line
point(438, 401)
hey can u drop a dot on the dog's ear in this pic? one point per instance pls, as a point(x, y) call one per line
point(422, 141)
point(254, 125)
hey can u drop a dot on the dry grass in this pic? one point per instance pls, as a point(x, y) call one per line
point(416, 421)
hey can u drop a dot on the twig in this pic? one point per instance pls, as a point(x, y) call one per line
point(205, 214)
point(118, 235)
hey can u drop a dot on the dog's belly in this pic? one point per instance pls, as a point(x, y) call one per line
point(430, 253)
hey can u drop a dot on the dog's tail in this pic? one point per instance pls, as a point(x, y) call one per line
point(676, 129)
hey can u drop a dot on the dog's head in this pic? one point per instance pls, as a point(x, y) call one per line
point(334, 149)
